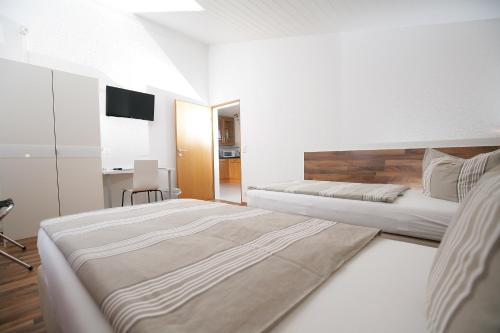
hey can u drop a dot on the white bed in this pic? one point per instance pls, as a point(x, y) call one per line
point(379, 290)
point(412, 214)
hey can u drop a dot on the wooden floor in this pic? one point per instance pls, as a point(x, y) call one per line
point(19, 302)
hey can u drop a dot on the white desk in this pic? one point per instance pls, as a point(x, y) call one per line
point(117, 172)
point(107, 173)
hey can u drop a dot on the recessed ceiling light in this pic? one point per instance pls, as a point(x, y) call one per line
point(144, 6)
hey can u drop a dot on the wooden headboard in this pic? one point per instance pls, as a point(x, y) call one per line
point(396, 166)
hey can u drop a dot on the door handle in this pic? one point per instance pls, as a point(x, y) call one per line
point(180, 151)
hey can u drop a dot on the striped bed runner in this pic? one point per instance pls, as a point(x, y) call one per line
point(183, 265)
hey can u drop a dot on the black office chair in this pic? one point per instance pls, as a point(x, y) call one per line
point(5, 207)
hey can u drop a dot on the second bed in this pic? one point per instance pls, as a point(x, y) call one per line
point(412, 214)
point(409, 213)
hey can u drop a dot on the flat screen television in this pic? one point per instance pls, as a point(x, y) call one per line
point(129, 104)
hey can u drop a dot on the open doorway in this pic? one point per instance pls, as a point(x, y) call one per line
point(227, 152)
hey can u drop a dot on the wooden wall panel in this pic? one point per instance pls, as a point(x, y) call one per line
point(397, 166)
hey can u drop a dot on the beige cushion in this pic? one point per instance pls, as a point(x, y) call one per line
point(463, 291)
point(451, 178)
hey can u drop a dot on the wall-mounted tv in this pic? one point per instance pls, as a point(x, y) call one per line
point(129, 104)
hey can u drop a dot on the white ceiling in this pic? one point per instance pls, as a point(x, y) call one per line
point(136, 6)
point(224, 21)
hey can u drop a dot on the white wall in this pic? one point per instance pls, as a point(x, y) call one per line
point(288, 88)
point(384, 88)
point(86, 38)
point(426, 83)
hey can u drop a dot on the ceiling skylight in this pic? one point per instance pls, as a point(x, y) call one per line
point(154, 6)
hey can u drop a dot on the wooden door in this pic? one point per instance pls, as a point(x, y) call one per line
point(195, 166)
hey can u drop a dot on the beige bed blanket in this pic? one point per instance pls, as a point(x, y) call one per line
point(343, 190)
point(196, 266)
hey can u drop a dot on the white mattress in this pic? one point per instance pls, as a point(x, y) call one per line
point(412, 214)
point(381, 289)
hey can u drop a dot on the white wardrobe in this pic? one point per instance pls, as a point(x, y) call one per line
point(50, 158)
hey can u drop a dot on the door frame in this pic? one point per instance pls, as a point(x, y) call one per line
point(217, 106)
point(215, 115)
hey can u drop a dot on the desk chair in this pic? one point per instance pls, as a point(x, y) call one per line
point(5, 207)
point(145, 179)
